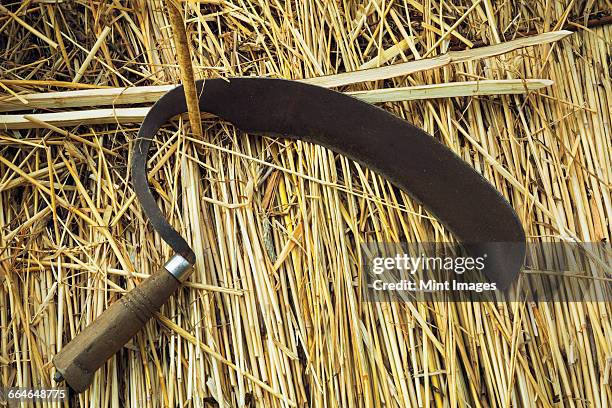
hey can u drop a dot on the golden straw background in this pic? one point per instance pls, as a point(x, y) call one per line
point(273, 315)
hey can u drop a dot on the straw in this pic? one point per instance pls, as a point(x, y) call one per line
point(274, 314)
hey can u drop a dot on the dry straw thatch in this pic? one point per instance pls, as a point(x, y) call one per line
point(273, 315)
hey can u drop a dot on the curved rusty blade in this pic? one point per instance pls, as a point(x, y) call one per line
point(407, 156)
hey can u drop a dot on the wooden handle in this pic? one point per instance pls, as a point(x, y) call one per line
point(83, 355)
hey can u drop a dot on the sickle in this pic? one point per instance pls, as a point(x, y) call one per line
point(411, 159)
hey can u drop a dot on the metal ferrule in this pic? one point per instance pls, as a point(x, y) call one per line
point(179, 267)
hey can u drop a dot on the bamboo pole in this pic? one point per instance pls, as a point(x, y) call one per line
point(137, 95)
